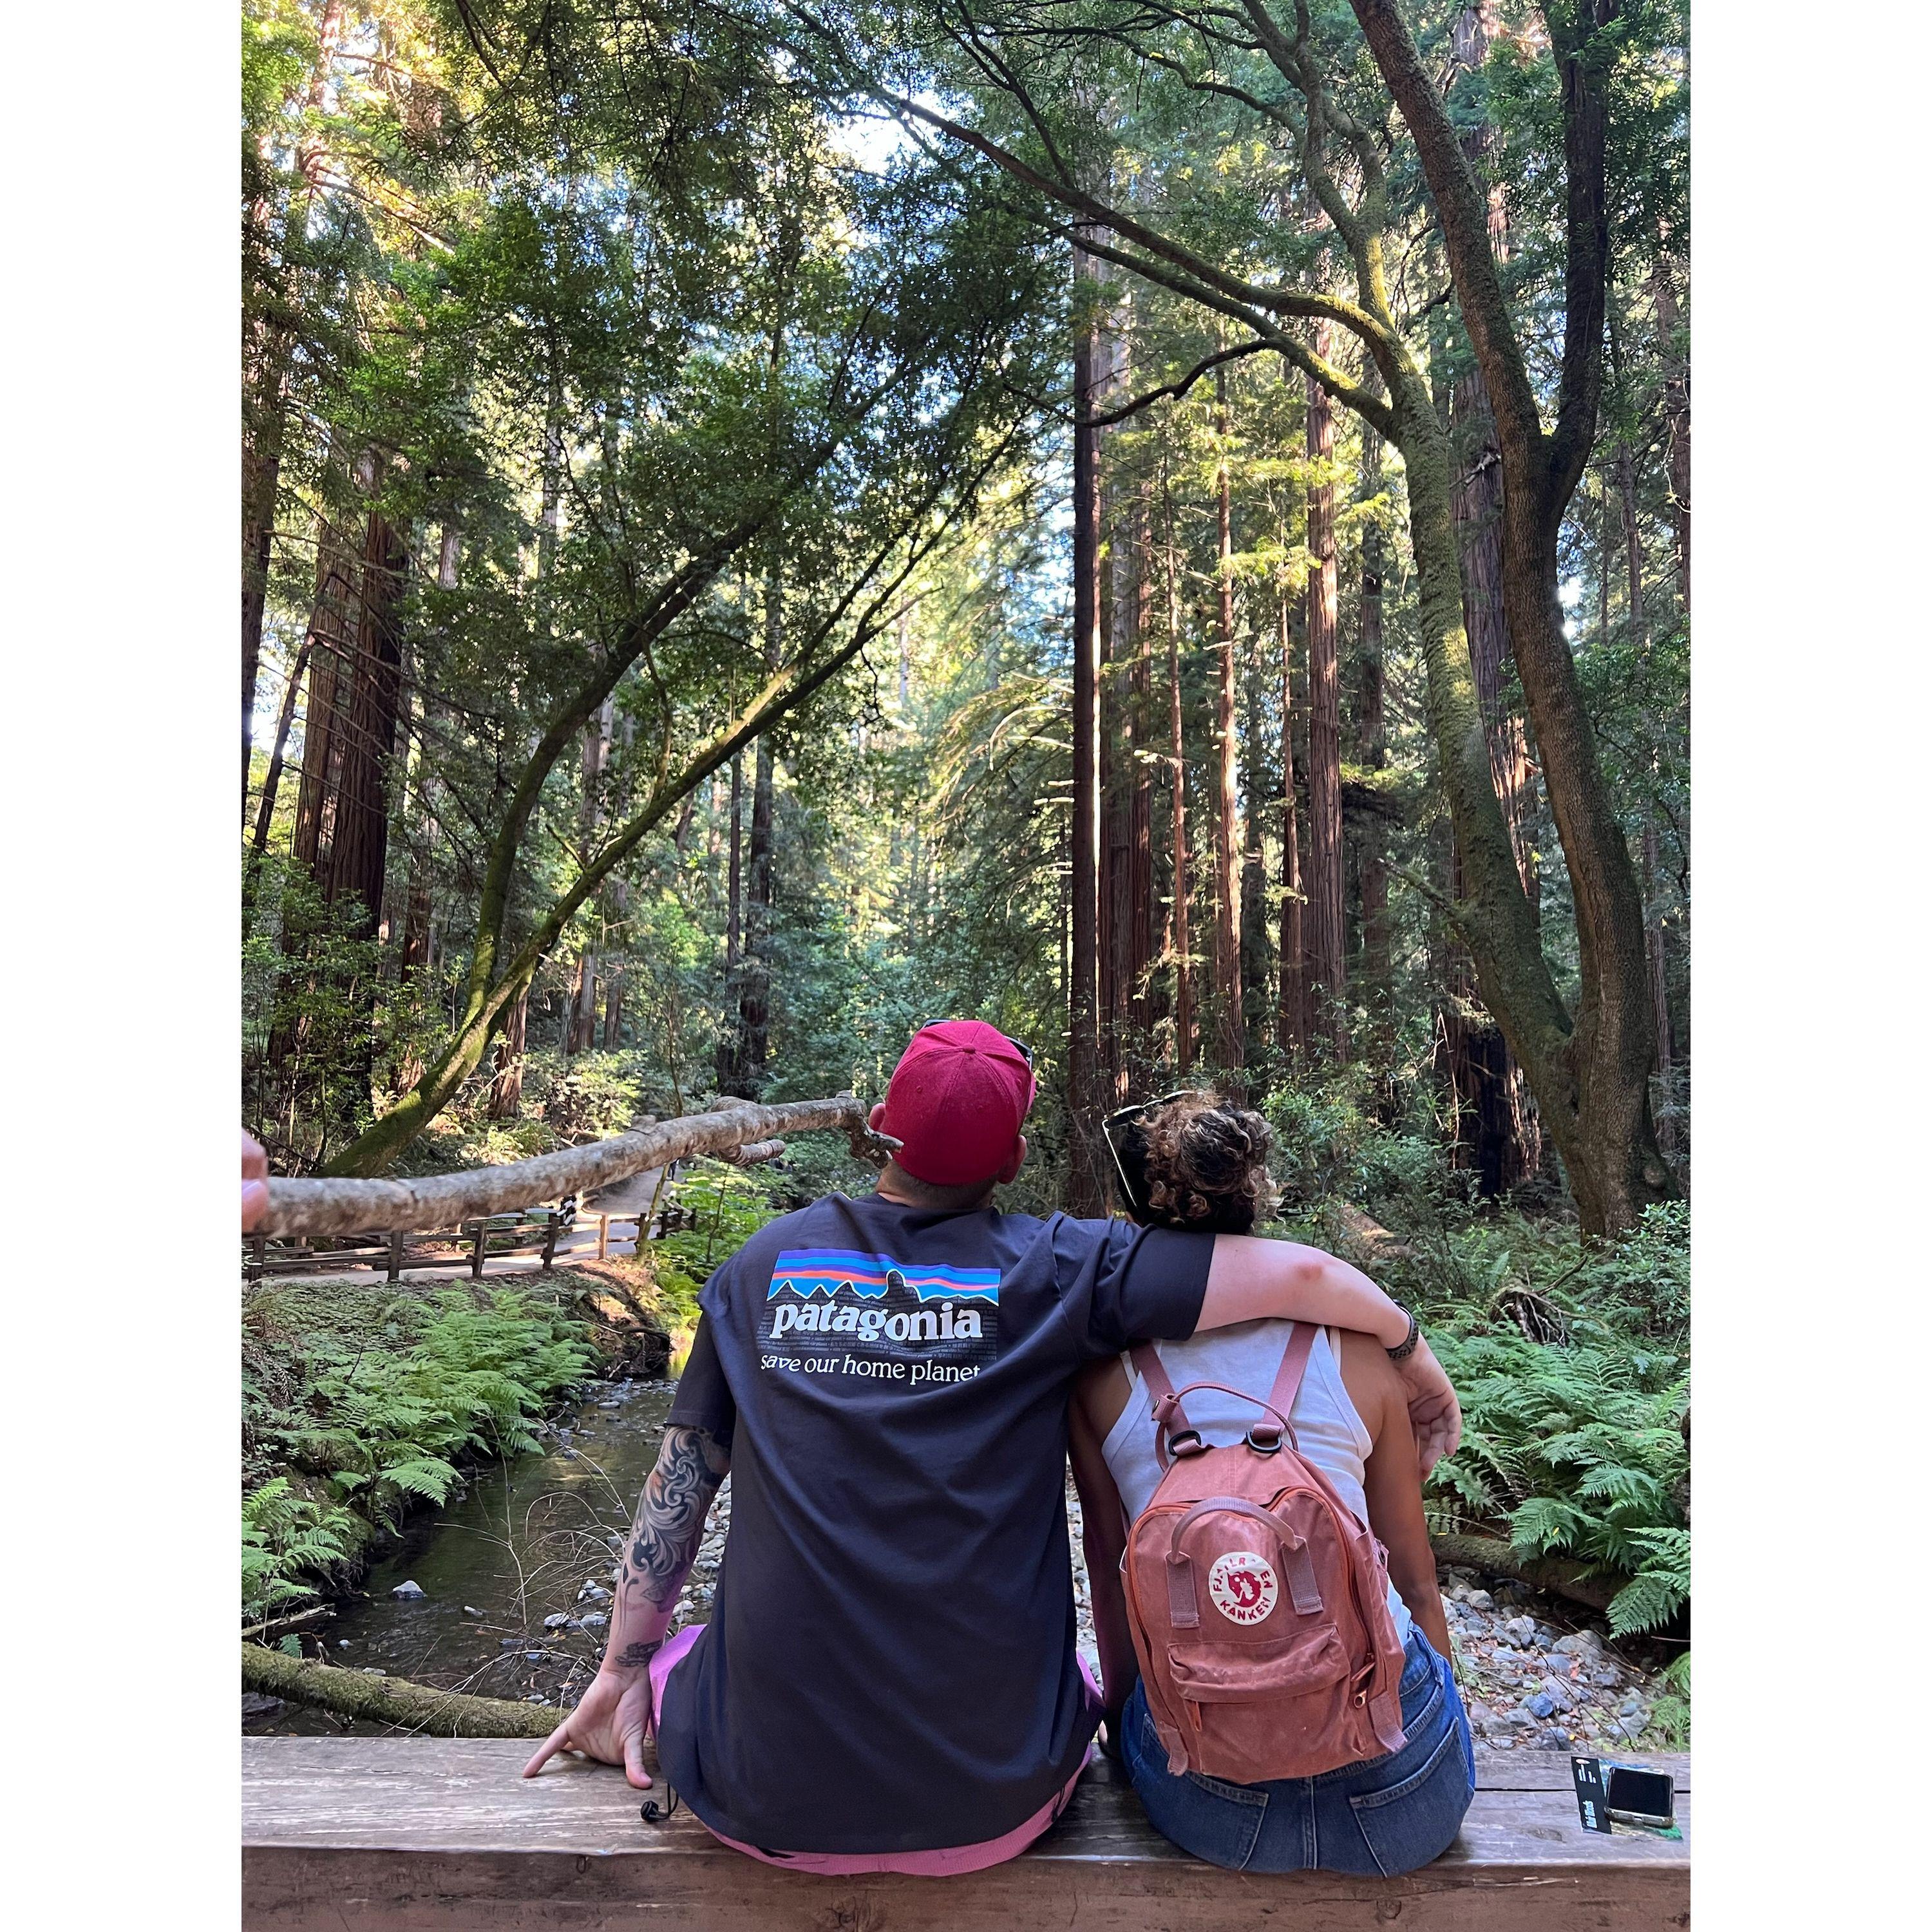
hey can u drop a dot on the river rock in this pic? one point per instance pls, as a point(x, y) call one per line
point(471, 1610)
point(508, 1642)
point(594, 1622)
point(1520, 1630)
point(533, 1657)
point(1480, 1600)
point(1584, 1642)
point(409, 1592)
point(559, 1621)
point(258, 1704)
point(1540, 1705)
point(1559, 1693)
point(593, 1592)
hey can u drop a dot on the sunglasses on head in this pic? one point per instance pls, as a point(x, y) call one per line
point(1123, 1117)
point(1019, 1046)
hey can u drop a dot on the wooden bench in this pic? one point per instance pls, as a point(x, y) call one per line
point(405, 1835)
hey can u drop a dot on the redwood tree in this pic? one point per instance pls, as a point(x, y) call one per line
point(1327, 982)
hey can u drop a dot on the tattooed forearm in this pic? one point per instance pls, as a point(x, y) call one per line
point(635, 1656)
point(670, 1514)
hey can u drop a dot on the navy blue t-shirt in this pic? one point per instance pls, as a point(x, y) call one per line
point(890, 1664)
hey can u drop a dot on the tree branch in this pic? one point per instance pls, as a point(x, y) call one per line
point(1177, 390)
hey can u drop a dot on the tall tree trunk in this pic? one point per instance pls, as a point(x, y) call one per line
point(506, 1089)
point(271, 783)
point(1594, 1091)
point(1256, 1016)
point(1229, 1037)
point(332, 628)
point(1327, 990)
point(1182, 946)
point(1291, 1008)
point(579, 1026)
point(1117, 749)
point(1086, 1193)
point(1142, 938)
point(596, 762)
point(755, 972)
point(1677, 413)
point(1633, 542)
point(735, 873)
point(265, 397)
point(359, 859)
point(1653, 913)
point(1372, 753)
point(1496, 1133)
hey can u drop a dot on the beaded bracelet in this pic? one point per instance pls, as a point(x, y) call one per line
point(1405, 1347)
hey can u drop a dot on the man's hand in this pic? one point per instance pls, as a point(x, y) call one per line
point(254, 1182)
point(1434, 1413)
point(610, 1724)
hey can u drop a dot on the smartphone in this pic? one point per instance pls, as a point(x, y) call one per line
point(1637, 1797)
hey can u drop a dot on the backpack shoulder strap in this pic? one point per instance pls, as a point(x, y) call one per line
point(1294, 1366)
point(1167, 1413)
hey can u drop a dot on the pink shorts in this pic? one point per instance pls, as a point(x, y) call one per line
point(945, 1862)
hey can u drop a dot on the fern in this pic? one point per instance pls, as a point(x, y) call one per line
point(283, 1534)
point(386, 1405)
point(1577, 1448)
point(1646, 1601)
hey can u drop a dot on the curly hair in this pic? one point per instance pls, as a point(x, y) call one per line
point(1198, 1165)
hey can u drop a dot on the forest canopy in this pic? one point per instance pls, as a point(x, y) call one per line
point(1164, 528)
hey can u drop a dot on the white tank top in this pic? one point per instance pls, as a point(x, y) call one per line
point(1245, 1357)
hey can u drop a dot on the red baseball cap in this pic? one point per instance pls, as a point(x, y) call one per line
point(956, 1100)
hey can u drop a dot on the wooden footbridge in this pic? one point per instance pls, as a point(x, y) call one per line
point(442, 1834)
point(423, 1835)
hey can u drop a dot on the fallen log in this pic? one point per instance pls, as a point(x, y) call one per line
point(390, 1700)
point(1361, 1238)
point(328, 1206)
point(752, 1152)
point(1492, 1555)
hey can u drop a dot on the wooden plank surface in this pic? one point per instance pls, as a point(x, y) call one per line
point(429, 1835)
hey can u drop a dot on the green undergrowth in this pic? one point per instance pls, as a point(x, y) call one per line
point(1572, 1357)
point(361, 1402)
point(726, 1206)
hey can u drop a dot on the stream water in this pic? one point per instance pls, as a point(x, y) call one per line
point(532, 1543)
point(529, 1540)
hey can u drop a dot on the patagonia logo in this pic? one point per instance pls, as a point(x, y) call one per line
point(834, 1311)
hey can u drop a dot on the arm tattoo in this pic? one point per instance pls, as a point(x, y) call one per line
point(637, 1655)
point(671, 1513)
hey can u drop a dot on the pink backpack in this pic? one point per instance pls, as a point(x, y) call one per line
point(1258, 1603)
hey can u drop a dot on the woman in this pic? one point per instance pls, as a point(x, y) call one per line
point(1189, 1162)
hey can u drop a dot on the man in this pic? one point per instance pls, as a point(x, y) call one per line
point(889, 1680)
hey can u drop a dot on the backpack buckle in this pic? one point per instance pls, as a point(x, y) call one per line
point(1265, 1438)
point(1188, 1442)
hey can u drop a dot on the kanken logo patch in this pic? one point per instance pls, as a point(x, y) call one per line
point(1243, 1586)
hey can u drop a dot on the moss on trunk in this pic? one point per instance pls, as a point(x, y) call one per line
point(389, 1700)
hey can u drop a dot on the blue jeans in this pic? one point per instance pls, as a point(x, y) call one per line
point(1381, 1817)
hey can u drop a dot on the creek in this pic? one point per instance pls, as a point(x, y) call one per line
point(528, 1539)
